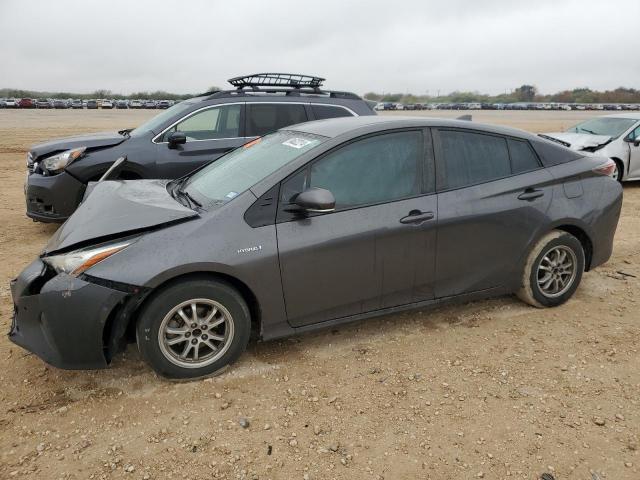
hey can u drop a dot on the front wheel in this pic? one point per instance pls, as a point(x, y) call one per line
point(617, 172)
point(553, 270)
point(193, 329)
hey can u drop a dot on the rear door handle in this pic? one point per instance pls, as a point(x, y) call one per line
point(416, 216)
point(530, 194)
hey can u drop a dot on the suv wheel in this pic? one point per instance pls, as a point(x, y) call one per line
point(193, 329)
point(553, 270)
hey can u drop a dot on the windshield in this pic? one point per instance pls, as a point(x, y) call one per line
point(154, 124)
point(226, 178)
point(612, 127)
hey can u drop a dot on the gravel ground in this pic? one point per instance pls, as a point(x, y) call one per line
point(492, 389)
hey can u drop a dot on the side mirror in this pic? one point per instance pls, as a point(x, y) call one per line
point(630, 139)
point(316, 200)
point(176, 138)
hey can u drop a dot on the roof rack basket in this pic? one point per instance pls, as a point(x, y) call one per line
point(291, 80)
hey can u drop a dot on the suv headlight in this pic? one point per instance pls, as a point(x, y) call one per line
point(58, 162)
point(78, 261)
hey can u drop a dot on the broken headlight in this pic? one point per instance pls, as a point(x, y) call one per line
point(76, 262)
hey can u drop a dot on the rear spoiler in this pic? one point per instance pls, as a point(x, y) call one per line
point(556, 140)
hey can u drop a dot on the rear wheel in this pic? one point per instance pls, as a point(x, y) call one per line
point(193, 329)
point(553, 270)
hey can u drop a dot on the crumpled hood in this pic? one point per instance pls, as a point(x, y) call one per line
point(580, 141)
point(92, 140)
point(117, 208)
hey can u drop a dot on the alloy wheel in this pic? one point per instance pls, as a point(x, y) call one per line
point(557, 271)
point(196, 333)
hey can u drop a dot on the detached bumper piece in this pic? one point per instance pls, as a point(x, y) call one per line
point(52, 198)
point(62, 318)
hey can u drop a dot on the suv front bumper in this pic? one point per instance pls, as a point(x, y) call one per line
point(62, 318)
point(52, 198)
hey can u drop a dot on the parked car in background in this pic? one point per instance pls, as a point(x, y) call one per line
point(122, 104)
point(135, 104)
point(615, 136)
point(149, 104)
point(11, 103)
point(106, 104)
point(92, 104)
point(27, 103)
point(58, 103)
point(77, 103)
point(3, 102)
point(312, 226)
point(44, 103)
point(163, 104)
point(179, 139)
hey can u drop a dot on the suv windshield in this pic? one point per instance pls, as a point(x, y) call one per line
point(612, 127)
point(154, 124)
point(242, 168)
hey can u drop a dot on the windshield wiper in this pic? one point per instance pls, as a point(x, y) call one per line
point(189, 197)
point(178, 193)
point(588, 131)
point(125, 132)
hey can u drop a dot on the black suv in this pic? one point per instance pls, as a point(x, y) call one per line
point(180, 139)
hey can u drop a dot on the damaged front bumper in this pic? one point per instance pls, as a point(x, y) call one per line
point(69, 322)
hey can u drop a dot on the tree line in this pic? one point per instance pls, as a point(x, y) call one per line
point(157, 95)
point(524, 93)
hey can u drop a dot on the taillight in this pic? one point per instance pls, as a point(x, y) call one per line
point(607, 168)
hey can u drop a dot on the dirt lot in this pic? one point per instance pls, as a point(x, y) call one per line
point(493, 389)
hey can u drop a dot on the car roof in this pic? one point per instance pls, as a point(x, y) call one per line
point(338, 126)
point(634, 116)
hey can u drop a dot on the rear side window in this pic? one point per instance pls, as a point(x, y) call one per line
point(471, 158)
point(263, 118)
point(322, 112)
point(523, 158)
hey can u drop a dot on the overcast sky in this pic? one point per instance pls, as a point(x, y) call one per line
point(414, 46)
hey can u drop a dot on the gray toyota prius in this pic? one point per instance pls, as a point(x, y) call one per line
point(311, 226)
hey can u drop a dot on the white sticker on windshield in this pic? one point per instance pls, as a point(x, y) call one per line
point(230, 195)
point(296, 142)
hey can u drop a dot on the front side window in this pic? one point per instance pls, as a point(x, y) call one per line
point(234, 173)
point(471, 158)
point(213, 123)
point(322, 112)
point(374, 170)
point(635, 134)
point(263, 118)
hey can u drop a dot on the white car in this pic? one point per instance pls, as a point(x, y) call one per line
point(614, 136)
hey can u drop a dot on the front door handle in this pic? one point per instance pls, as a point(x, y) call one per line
point(416, 216)
point(530, 194)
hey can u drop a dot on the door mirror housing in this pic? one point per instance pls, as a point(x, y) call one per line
point(315, 200)
point(630, 139)
point(176, 138)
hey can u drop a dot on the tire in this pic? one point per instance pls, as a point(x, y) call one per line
point(540, 261)
point(216, 338)
point(619, 170)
